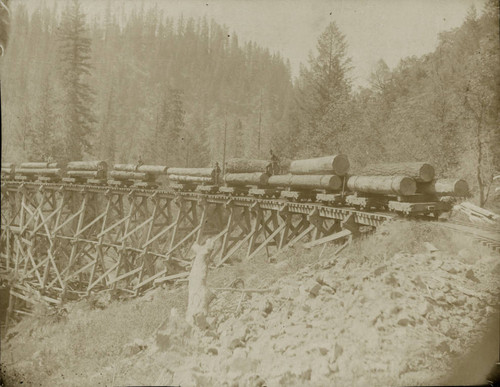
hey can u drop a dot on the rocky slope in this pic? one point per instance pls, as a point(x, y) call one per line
point(389, 310)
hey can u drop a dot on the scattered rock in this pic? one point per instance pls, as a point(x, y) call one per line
point(378, 271)
point(311, 288)
point(424, 308)
point(430, 247)
point(443, 347)
point(212, 351)
point(255, 381)
point(235, 343)
point(404, 322)
point(419, 282)
point(471, 276)
point(134, 348)
point(265, 307)
point(337, 352)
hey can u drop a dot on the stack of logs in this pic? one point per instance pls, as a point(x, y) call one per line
point(247, 172)
point(8, 171)
point(131, 173)
point(321, 173)
point(193, 176)
point(405, 179)
point(43, 171)
point(79, 171)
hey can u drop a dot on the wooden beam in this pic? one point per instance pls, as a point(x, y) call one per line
point(329, 238)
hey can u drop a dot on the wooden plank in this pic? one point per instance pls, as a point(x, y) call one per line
point(329, 238)
point(170, 278)
point(300, 236)
point(264, 244)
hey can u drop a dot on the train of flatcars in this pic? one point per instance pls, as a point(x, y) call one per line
point(403, 187)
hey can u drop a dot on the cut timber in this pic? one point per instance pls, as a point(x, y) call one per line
point(191, 179)
point(87, 166)
point(327, 182)
point(248, 166)
point(8, 170)
point(97, 174)
point(329, 238)
point(480, 211)
point(198, 293)
point(149, 169)
point(198, 172)
point(385, 185)
point(122, 175)
point(43, 165)
point(256, 178)
point(333, 165)
point(454, 187)
point(422, 172)
point(53, 172)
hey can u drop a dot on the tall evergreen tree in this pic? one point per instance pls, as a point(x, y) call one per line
point(75, 51)
point(325, 92)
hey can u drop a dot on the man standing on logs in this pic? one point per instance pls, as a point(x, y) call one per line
point(216, 173)
point(275, 163)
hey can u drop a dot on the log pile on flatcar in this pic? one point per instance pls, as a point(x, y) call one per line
point(138, 175)
point(40, 171)
point(407, 188)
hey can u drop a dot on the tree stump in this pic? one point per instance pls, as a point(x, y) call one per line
point(199, 296)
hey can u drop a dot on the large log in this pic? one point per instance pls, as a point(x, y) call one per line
point(243, 179)
point(151, 169)
point(87, 166)
point(191, 179)
point(123, 175)
point(385, 185)
point(50, 172)
point(248, 166)
point(199, 172)
point(452, 187)
point(328, 182)
point(8, 168)
point(419, 171)
point(328, 165)
point(37, 164)
point(101, 174)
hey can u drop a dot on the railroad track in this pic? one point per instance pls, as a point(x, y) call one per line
point(485, 234)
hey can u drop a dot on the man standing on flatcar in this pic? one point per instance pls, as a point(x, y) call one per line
point(275, 163)
point(216, 173)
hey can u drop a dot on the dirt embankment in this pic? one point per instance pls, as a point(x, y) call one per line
point(388, 311)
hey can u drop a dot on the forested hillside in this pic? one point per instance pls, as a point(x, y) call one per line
point(141, 84)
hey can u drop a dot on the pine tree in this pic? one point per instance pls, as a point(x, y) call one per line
point(75, 51)
point(325, 92)
point(42, 141)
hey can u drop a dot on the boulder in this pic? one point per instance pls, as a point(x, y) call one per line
point(134, 347)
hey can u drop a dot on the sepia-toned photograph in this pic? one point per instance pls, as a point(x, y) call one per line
point(250, 193)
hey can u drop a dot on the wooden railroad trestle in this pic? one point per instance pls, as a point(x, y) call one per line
point(60, 242)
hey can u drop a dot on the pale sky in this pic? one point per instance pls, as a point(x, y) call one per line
point(374, 29)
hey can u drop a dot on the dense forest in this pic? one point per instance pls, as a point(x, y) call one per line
point(141, 84)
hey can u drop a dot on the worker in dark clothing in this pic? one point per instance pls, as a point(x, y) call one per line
point(275, 163)
point(217, 172)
